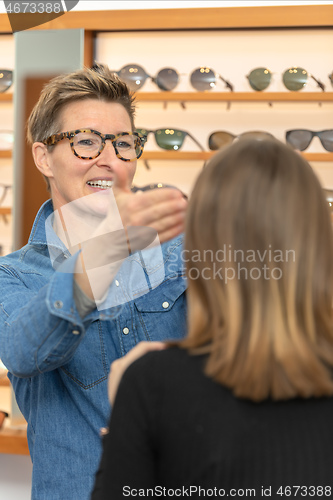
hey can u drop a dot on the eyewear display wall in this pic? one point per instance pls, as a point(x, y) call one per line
point(180, 53)
point(204, 78)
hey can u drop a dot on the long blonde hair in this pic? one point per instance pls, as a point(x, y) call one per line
point(260, 271)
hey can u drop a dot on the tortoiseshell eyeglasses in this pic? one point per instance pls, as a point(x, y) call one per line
point(88, 144)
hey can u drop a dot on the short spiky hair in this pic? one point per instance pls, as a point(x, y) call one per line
point(98, 82)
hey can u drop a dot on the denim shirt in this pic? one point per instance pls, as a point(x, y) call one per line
point(58, 363)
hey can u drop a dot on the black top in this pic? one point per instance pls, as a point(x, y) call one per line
point(173, 427)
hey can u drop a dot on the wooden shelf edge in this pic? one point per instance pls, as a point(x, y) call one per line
point(6, 96)
point(14, 441)
point(6, 153)
point(177, 155)
point(318, 156)
point(290, 16)
point(222, 96)
point(234, 96)
point(205, 155)
point(5, 210)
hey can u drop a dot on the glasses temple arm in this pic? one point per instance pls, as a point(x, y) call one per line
point(5, 187)
point(146, 164)
point(194, 139)
point(319, 83)
point(227, 84)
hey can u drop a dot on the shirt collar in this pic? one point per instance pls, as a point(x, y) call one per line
point(38, 234)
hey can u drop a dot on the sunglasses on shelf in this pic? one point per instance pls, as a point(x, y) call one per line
point(331, 78)
point(221, 138)
point(301, 138)
point(294, 79)
point(167, 79)
point(168, 138)
point(6, 79)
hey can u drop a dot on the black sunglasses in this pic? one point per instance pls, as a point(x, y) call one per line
point(201, 79)
point(294, 78)
point(301, 138)
point(6, 79)
point(221, 138)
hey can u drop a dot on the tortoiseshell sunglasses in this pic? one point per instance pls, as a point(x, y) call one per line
point(88, 144)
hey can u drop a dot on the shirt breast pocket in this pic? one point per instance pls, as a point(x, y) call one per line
point(162, 312)
point(89, 365)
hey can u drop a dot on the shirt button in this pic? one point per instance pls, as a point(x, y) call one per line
point(117, 283)
point(125, 331)
point(75, 332)
point(58, 304)
point(165, 305)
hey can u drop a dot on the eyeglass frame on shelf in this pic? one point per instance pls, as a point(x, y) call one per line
point(146, 76)
point(318, 82)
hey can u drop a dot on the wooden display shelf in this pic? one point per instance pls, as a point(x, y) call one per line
point(318, 156)
point(234, 96)
point(5, 210)
point(290, 16)
point(177, 155)
point(6, 153)
point(211, 96)
point(14, 441)
point(6, 97)
point(205, 155)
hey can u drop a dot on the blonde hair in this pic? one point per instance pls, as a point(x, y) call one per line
point(98, 82)
point(268, 334)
